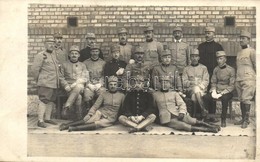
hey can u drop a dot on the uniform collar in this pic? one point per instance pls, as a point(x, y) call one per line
point(223, 67)
point(244, 47)
point(122, 44)
point(178, 41)
point(164, 65)
point(195, 65)
point(150, 40)
point(93, 59)
point(74, 62)
point(58, 47)
point(210, 41)
point(164, 90)
point(115, 60)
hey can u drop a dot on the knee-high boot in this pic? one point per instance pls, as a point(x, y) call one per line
point(203, 129)
point(246, 118)
point(242, 114)
point(78, 112)
point(66, 126)
point(86, 127)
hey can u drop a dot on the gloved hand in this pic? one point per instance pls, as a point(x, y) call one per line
point(73, 85)
point(139, 118)
point(214, 94)
point(218, 96)
point(181, 116)
point(131, 61)
point(120, 71)
point(67, 88)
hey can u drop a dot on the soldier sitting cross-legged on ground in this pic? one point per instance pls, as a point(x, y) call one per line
point(103, 113)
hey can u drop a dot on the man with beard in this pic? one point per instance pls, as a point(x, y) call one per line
point(125, 48)
point(60, 52)
point(95, 66)
point(46, 74)
point(173, 112)
point(153, 49)
point(180, 50)
point(246, 77)
point(138, 110)
point(195, 81)
point(222, 86)
point(73, 77)
point(85, 53)
point(139, 67)
point(103, 113)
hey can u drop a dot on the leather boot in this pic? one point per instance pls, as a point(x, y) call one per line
point(201, 123)
point(86, 127)
point(78, 112)
point(242, 113)
point(223, 122)
point(203, 129)
point(66, 126)
point(246, 119)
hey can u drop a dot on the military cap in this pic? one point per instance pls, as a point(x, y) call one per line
point(115, 47)
point(166, 52)
point(139, 78)
point(245, 34)
point(112, 79)
point(177, 29)
point(195, 52)
point(139, 49)
point(94, 46)
point(148, 28)
point(58, 35)
point(220, 53)
point(122, 30)
point(165, 78)
point(74, 48)
point(90, 35)
point(209, 29)
point(49, 39)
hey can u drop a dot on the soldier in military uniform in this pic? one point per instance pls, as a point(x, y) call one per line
point(85, 53)
point(180, 50)
point(116, 66)
point(245, 77)
point(95, 66)
point(153, 49)
point(166, 69)
point(74, 76)
point(138, 111)
point(46, 74)
point(126, 49)
point(60, 52)
point(103, 113)
point(208, 49)
point(222, 86)
point(195, 81)
point(173, 112)
point(140, 67)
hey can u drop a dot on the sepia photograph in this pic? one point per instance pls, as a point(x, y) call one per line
point(119, 80)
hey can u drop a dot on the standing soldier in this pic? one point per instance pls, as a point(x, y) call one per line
point(208, 50)
point(73, 77)
point(103, 113)
point(61, 53)
point(195, 81)
point(126, 53)
point(85, 53)
point(166, 69)
point(95, 66)
point(153, 49)
point(180, 50)
point(246, 77)
point(222, 86)
point(46, 74)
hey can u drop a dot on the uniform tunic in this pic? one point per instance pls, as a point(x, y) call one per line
point(85, 54)
point(61, 55)
point(153, 51)
point(113, 66)
point(180, 54)
point(138, 103)
point(126, 52)
point(166, 70)
point(96, 69)
point(207, 53)
point(45, 70)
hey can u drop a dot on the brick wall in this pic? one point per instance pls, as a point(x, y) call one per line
point(46, 19)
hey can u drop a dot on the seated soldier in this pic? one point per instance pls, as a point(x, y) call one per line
point(195, 81)
point(222, 86)
point(138, 111)
point(165, 68)
point(116, 66)
point(173, 112)
point(72, 78)
point(95, 66)
point(103, 113)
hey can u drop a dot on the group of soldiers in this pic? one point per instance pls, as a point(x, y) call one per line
point(144, 83)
